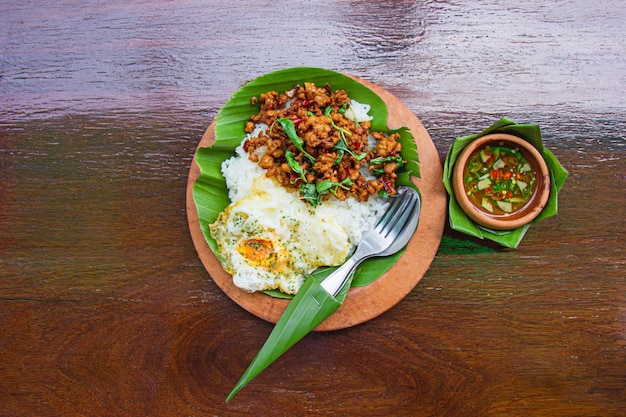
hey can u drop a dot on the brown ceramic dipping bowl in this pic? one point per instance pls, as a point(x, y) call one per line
point(522, 215)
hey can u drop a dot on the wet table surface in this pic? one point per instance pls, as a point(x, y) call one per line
point(105, 308)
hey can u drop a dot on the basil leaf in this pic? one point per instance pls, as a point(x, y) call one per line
point(342, 147)
point(327, 113)
point(383, 160)
point(290, 130)
point(295, 166)
point(326, 186)
point(309, 193)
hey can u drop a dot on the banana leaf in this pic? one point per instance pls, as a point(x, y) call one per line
point(508, 238)
point(310, 307)
point(210, 193)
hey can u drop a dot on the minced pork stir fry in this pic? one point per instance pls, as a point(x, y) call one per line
point(311, 146)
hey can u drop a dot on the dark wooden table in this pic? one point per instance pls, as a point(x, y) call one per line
point(105, 308)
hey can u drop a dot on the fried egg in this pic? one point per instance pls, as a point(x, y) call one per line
point(270, 239)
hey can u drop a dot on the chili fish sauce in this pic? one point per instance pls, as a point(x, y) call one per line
point(499, 180)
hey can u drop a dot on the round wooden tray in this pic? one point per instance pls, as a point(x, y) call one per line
point(362, 303)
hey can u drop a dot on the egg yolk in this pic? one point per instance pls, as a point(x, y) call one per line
point(260, 252)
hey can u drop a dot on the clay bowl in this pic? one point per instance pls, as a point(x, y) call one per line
point(516, 214)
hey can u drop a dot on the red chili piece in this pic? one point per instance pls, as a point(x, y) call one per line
point(388, 188)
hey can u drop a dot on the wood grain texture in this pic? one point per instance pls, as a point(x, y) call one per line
point(106, 309)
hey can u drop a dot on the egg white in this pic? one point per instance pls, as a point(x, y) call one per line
point(270, 239)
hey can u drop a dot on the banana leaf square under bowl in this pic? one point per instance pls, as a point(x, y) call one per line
point(500, 181)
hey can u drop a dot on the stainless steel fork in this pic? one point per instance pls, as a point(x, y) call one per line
point(390, 234)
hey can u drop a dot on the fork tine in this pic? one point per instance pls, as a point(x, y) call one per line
point(399, 210)
point(399, 219)
point(389, 213)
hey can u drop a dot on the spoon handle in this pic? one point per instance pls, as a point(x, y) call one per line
point(338, 278)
